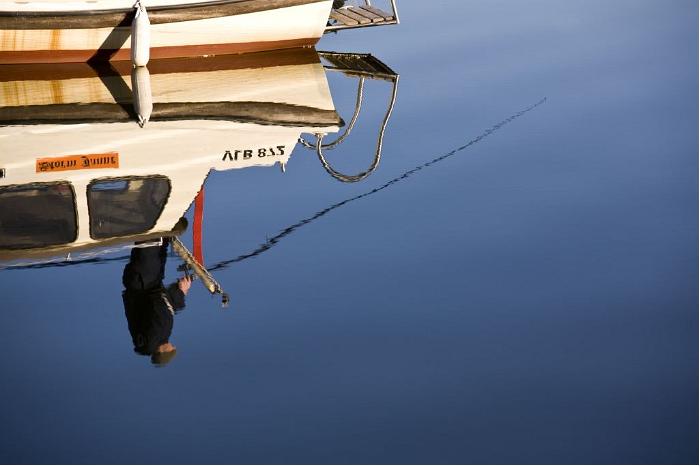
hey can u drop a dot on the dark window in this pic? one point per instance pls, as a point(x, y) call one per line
point(37, 215)
point(126, 206)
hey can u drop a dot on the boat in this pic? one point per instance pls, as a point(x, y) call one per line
point(80, 177)
point(77, 167)
point(51, 31)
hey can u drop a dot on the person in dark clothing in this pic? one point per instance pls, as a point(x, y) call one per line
point(149, 305)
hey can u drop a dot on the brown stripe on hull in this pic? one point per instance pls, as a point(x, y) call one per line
point(92, 19)
point(262, 113)
point(178, 51)
point(58, 71)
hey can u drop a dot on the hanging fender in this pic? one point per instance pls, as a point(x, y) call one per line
point(141, 94)
point(140, 37)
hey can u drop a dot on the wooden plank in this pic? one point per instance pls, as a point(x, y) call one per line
point(377, 11)
point(346, 20)
point(368, 14)
point(359, 18)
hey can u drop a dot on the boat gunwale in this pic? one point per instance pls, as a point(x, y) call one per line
point(121, 17)
point(275, 113)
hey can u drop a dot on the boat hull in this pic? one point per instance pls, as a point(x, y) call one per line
point(216, 31)
point(216, 113)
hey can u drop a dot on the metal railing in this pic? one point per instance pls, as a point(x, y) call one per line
point(371, 68)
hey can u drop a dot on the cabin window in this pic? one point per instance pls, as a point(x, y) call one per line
point(126, 206)
point(37, 215)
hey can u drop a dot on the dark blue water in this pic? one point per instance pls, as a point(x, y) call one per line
point(531, 298)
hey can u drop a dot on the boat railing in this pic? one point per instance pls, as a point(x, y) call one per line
point(363, 67)
point(193, 268)
point(361, 14)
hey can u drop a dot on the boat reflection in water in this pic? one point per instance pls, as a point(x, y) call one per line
point(99, 159)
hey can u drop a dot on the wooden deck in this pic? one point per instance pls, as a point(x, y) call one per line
point(359, 16)
point(358, 64)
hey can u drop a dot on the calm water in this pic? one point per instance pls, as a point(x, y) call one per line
point(531, 298)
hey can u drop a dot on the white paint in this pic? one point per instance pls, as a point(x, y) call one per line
point(293, 84)
point(296, 22)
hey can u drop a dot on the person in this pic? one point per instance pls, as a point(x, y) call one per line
point(149, 305)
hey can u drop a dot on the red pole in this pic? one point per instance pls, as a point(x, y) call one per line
point(197, 228)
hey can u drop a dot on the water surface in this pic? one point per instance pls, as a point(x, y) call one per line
point(531, 298)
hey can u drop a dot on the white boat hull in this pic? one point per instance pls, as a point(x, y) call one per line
point(182, 149)
point(294, 26)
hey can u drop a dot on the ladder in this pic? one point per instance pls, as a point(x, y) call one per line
point(363, 14)
point(362, 66)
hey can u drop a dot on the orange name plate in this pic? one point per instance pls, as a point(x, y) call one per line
point(77, 162)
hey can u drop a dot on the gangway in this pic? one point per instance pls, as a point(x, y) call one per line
point(361, 14)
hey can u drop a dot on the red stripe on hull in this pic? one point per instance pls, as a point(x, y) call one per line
point(58, 71)
point(78, 56)
point(197, 227)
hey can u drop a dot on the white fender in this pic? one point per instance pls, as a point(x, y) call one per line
point(140, 37)
point(141, 91)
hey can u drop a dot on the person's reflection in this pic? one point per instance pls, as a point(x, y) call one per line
point(149, 305)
